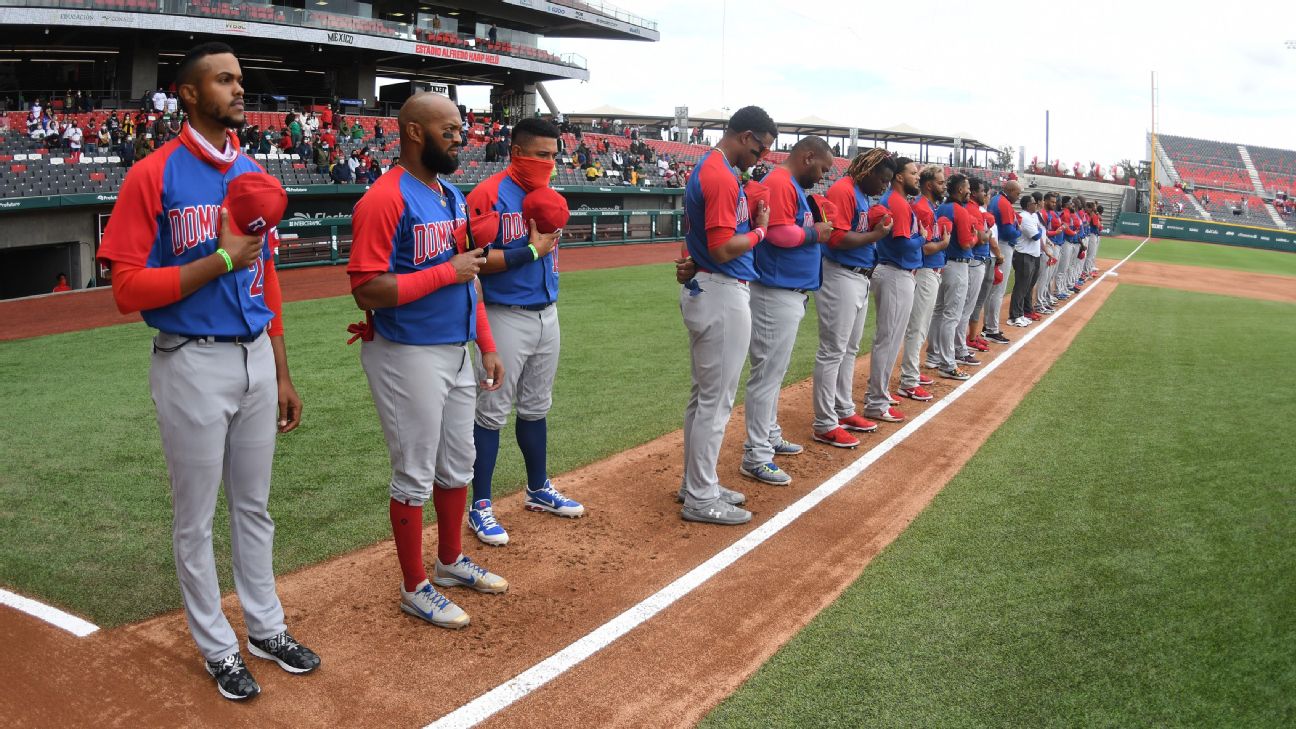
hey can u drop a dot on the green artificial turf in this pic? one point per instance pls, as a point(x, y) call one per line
point(84, 498)
point(1120, 553)
point(1207, 255)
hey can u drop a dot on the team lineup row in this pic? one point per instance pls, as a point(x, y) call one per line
point(932, 252)
point(437, 271)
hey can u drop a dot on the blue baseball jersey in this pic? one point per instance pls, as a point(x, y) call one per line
point(1005, 219)
point(531, 284)
point(901, 248)
point(714, 199)
point(402, 226)
point(168, 214)
point(923, 211)
point(787, 268)
point(852, 208)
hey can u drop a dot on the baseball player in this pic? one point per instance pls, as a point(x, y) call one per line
point(411, 271)
point(982, 255)
point(899, 256)
point(1068, 249)
point(1053, 232)
point(926, 282)
point(1007, 231)
point(715, 305)
point(849, 259)
point(1095, 237)
point(787, 263)
point(953, 279)
point(219, 374)
point(519, 282)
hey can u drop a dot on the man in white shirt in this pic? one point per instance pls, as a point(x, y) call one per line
point(159, 101)
point(73, 136)
point(172, 104)
point(1025, 262)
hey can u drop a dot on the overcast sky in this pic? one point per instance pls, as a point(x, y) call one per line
point(1224, 68)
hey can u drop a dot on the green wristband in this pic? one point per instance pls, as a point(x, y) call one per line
point(229, 263)
point(535, 255)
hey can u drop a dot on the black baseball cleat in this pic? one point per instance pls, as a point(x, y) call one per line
point(232, 678)
point(283, 649)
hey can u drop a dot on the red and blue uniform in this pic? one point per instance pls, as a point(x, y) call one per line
point(532, 284)
point(714, 201)
point(1006, 220)
point(797, 267)
point(1053, 223)
point(900, 249)
point(168, 214)
point(927, 217)
point(977, 217)
point(962, 236)
point(403, 226)
point(852, 215)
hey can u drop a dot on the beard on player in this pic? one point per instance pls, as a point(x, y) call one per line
point(226, 116)
point(440, 162)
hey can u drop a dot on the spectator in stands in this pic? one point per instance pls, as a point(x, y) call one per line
point(74, 136)
point(618, 161)
point(172, 105)
point(493, 34)
point(378, 132)
point(375, 171)
point(323, 151)
point(341, 171)
point(357, 132)
point(295, 130)
point(344, 129)
point(491, 151)
point(173, 126)
point(594, 171)
point(312, 125)
point(103, 140)
point(353, 162)
point(142, 146)
point(61, 283)
point(159, 100)
point(327, 136)
point(285, 141)
point(577, 131)
point(305, 151)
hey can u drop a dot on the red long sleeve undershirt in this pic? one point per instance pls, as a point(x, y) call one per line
point(415, 285)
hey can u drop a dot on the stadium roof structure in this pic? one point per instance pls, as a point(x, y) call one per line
point(714, 119)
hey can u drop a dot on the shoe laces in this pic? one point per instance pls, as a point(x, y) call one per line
point(434, 598)
point(551, 492)
point(487, 516)
point(466, 563)
point(233, 663)
point(282, 642)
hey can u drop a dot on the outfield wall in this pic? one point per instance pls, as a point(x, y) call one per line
point(1208, 231)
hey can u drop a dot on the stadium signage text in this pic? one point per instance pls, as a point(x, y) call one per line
point(346, 38)
point(457, 54)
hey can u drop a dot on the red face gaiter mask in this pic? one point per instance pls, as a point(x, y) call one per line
point(531, 172)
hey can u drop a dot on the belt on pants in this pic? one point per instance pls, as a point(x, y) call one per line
point(962, 260)
point(909, 271)
point(530, 307)
point(713, 273)
point(240, 339)
point(867, 272)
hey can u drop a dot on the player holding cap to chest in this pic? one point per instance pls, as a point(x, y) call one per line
point(219, 375)
point(411, 270)
point(519, 283)
point(787, 265)
point(849, 257)
point(953, 279)
point(715, 305)
point(927, 281)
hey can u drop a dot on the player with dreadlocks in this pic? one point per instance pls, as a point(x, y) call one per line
point(849, 257)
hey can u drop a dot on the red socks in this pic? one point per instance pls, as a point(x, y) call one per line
point(450, 504)
point(407, 528)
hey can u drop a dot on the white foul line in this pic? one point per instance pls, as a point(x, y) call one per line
point(52, 615)
point(509, 692)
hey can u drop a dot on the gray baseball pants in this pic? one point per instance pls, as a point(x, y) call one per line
point(718, 317)
point(217, 408)
point(945, 315)
point(996, 291)
point(893, 294)
point(775, 315)
point(528, 344)
point(425, 396)
point(926, 285)
point(842, 306)
point(976, 282)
